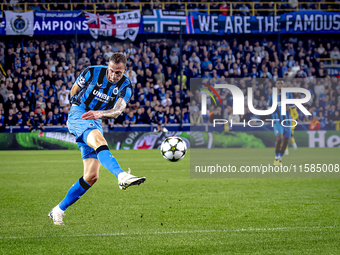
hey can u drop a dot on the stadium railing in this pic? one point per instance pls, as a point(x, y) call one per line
point(273, 7)
point(331, 61)
point(337, 127)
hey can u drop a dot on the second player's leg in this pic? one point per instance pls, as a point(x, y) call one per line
point(278, 146)
point(284, 144)
point(278, 143)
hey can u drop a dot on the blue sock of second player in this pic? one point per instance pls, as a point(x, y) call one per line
point(108, 161)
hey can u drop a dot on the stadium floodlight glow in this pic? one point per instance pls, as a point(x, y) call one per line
point(238, 100)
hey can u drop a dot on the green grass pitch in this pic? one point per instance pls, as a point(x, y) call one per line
point(170, 213)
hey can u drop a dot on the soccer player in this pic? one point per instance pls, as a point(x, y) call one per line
point(282, 133)
point(99, 92)
point(294, 114)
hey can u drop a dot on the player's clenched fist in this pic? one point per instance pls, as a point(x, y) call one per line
point(92, 115)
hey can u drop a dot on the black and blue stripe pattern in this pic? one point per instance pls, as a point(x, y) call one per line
point(97, 93)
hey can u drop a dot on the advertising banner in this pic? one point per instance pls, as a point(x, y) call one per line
point(153, 140)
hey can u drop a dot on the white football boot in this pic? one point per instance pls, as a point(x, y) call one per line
point(57, 215)
point(126, 180)
point(294, 146)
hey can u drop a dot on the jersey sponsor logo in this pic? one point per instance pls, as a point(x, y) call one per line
point(99, 85)
point(101, 96)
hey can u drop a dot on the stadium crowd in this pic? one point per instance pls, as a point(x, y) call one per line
point(40, 74)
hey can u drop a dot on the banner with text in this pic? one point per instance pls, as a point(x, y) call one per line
point(65, 23)
point(153, 140)
point(127, 25)
point(162, 21)
point(293, 22)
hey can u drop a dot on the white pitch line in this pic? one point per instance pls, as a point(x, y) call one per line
point(174, 232)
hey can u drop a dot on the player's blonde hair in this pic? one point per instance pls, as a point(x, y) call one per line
point(118, 58)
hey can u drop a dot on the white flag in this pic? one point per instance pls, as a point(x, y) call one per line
point(123, 25)
point(19, 23)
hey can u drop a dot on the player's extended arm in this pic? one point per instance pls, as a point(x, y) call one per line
point(113, 113)
point(75, 89)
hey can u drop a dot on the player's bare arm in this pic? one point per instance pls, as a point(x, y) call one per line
point(75, 89)
point(110, 114)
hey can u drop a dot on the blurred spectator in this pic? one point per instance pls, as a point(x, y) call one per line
point(196, 118)
point(2, 123)
point(171, 117)
point(315, 124)
point(224, 8)
point(335, 55)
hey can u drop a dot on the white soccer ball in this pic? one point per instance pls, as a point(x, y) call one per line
point(173, 149)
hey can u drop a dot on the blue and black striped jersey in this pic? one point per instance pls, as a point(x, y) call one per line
point(277, 113)
point(97, 92)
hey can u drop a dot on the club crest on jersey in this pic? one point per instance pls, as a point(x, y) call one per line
point(115, 91)
point(101, 95)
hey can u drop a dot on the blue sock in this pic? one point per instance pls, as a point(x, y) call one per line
point(108, 161)
point(74, 193)
point(280, 155)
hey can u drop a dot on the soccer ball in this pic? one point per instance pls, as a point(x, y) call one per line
point(173, 149)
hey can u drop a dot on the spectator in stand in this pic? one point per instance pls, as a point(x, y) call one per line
point(185, 115)
point(315, 123)
point(174, 60)
point(49, 119)
point(2, 122)
point(160, 76)
point(57, 118)
point(167, 100)
point(196, 118)
point(130, 118)
point(224, 8)
point(63, 96)
point(335, 55)
point(171, 116)
point(140, 116)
